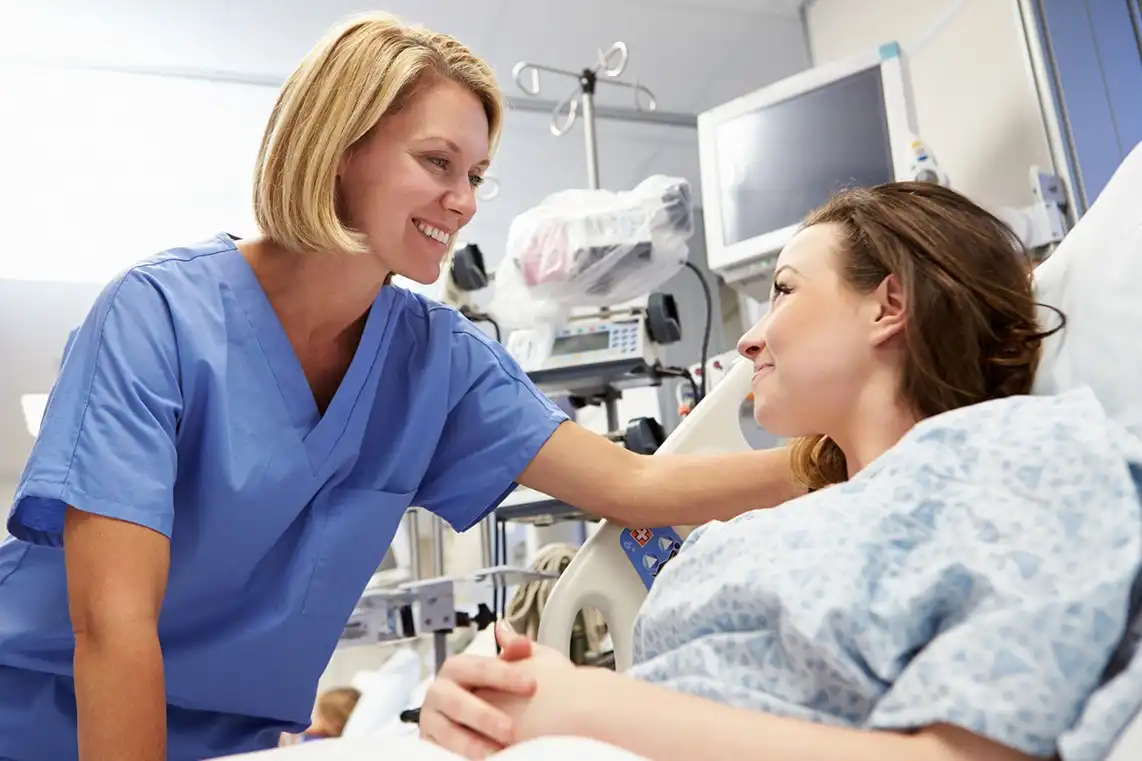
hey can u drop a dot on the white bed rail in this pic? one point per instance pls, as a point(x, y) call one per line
point(601, 575)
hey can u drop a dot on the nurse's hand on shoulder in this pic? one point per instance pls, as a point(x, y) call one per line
point(453, 716)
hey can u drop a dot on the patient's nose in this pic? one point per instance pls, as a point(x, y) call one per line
point(751, 344)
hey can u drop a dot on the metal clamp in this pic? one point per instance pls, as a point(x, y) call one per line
point(425, 607)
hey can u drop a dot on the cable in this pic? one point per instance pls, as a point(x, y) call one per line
point(709, 324)
point(475, 316)
point(681, 372)
point(495, 326)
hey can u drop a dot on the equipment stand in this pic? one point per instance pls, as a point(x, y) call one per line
point(607, 69)
point(587, 82)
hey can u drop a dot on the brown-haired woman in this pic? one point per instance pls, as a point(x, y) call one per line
point(917, 603)
point(892, 304)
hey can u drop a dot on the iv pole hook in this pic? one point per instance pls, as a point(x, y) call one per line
point(609, 66)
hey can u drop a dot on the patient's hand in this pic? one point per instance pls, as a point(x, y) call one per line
point(513, 645)
point(456, 718)
point(545, 712)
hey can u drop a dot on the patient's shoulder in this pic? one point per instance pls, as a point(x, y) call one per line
point(1035, 426)
point(1048, 453)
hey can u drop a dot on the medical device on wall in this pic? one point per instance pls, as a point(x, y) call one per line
point(770, 157)
point(1043, 223)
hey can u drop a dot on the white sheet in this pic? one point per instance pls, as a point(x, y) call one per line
point(411, 749)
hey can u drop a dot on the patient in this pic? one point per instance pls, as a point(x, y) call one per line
point(939, 593)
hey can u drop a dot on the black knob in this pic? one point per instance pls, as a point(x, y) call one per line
point(644, 435)
point(662, 322)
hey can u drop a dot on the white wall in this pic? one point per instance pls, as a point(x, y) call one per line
point(976, 101)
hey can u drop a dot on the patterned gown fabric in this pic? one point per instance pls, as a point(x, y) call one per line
point(980, 573)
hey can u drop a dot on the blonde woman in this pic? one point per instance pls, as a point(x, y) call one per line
point(238, 427)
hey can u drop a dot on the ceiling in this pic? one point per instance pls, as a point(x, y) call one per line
point(692, 54)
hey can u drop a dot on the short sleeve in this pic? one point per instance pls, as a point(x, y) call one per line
point(106, 443)
point(497, 423)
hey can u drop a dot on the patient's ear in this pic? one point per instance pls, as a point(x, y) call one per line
point(890, 311)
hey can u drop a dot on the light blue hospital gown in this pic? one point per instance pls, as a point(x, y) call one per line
point(980, 573)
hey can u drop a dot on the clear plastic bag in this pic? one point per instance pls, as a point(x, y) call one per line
point(593, 248)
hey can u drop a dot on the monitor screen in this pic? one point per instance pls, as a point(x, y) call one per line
point(780, 162)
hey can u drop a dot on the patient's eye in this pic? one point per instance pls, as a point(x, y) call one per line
point(780, 289)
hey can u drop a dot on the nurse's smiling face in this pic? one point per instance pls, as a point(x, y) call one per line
point(410, 184)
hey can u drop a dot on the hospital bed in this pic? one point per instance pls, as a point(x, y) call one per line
point(1094, 278)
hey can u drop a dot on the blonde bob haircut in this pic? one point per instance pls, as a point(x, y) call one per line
point(365, 68)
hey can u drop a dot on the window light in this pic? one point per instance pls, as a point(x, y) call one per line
point(34, 406)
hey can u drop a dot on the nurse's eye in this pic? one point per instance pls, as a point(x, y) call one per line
point(476, 180)
point(440, 162)
point(780, 289)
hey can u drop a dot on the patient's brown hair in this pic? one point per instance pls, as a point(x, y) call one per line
point(971, 333)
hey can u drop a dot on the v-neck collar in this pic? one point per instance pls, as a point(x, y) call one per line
point(318, 433)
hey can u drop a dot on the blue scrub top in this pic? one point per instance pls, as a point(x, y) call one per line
point(181, 407)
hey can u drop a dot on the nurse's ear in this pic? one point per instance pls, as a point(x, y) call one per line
point(888, 310)
point(338, 179)
point(347, 157)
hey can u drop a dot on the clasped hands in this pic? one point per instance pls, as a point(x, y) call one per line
point(477, 706)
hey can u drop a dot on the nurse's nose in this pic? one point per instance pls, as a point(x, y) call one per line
point(462, 202)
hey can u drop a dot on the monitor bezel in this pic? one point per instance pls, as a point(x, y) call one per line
point(743, 258)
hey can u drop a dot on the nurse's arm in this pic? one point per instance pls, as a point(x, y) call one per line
point(590, 472)
point(116, 579)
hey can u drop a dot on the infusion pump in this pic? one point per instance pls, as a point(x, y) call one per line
point(602, 349)
point(595, 341)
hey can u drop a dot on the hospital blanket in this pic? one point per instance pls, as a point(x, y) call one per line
point(414, 749)
point(980, 573)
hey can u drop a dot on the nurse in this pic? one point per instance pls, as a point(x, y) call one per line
point(238, 427)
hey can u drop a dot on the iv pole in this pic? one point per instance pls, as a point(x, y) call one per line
point(609, 66)
point(607, 69)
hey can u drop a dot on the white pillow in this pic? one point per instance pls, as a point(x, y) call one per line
point(1095, 279)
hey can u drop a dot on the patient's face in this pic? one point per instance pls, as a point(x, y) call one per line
point(810, 352)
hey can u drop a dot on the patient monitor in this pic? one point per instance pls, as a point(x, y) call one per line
point(771, 156)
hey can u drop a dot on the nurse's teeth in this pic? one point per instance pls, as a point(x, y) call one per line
point(433, 232)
